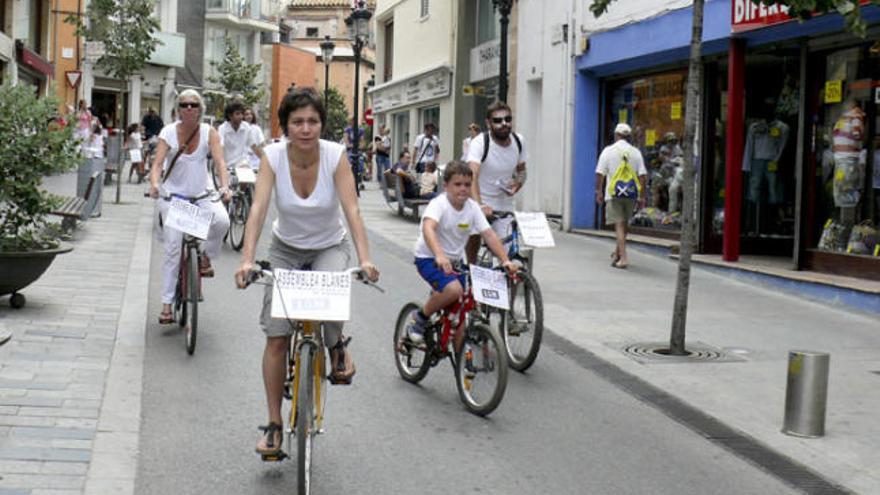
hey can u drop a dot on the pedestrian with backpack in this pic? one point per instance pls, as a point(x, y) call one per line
point(621, 179)
point(498, 160)
point(427, 147)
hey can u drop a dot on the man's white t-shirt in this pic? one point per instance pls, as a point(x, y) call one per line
point(257, 138)
point(424, 148)
point(496, 173)
point(454, 227)
point(611, 157)
point(235, 143)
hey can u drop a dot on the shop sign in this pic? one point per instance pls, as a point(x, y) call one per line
point(429, 86)
point(622, 116)
point(33, 60)
point(750, 14)
point(833, 91)
point(650, 137)
point(485, 61)
point(675, 111)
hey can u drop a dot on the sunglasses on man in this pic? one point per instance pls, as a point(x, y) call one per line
point(188, 105)
point(498, 120)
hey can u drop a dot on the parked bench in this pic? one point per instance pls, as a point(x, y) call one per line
point(73, 209)
point(388, 193)
point(403, 203)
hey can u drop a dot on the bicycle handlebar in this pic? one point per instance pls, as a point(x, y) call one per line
point(266, 271)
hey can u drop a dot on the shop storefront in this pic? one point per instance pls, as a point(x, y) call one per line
point(788, 153)
point(811, 149)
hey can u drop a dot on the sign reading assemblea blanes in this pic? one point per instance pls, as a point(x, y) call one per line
point(748, 14)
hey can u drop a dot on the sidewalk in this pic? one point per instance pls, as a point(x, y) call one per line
point(748, 328)
point(70, 378)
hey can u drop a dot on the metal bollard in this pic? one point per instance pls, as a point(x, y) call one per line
point(806, 394)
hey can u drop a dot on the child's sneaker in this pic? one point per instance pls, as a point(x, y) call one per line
point(415, 329)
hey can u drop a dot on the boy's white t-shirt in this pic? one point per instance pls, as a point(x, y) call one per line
point(454, 227)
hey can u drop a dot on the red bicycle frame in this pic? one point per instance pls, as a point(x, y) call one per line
point(461, 308)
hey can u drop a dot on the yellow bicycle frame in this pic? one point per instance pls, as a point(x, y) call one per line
point(308, 332)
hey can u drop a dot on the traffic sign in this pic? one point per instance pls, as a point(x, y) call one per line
point(73, 77)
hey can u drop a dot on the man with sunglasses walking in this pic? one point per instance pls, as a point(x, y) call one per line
point(498, 159)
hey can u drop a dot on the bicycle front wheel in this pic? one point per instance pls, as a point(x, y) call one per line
point(522, 326)
point(481, 370)
point(237, 220)
point(305, 418)
point(193, 286)
point(411, 359)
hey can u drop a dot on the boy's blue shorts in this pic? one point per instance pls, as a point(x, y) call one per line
point(435, 276)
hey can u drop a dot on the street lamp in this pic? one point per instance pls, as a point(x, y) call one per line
point(358, 31)
point(504, 7)
point(327, 47)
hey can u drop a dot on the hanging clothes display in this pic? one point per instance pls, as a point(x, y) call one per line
point(764, 146)
point(849, 157)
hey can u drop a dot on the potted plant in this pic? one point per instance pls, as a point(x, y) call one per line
point(34, 142)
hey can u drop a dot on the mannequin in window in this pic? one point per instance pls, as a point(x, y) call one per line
point(847, 143)
point(765, 143)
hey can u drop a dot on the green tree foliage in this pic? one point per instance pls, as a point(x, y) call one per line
point(33, 143)
point(337, 115)
point(236, 78)
point(850, 9)
point(126, 27)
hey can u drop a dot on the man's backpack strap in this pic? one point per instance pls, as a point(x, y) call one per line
point(486, 144)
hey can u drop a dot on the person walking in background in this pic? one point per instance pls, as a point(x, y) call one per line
point(427, 147)
point(473, 131)
point(152, 124)
point(621, 179)
point(133, 146)
point(94, 151)
point(383, 151)
point(257, 137)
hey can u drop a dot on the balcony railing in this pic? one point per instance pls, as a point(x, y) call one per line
point(245, 9)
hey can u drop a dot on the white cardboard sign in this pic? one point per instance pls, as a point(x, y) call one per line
point(535, 229)
point(245, 175)
point(310, 295)
point(135, 156)
point(490, 287)
point(189, 218)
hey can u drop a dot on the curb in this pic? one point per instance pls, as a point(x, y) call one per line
point(113, 467)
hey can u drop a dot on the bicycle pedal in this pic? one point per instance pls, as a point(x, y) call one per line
point(280, 456)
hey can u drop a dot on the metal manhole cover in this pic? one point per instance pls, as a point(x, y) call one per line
point(657, 353)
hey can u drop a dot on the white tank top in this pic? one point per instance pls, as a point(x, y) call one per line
point(314, 222)
point(190, 174)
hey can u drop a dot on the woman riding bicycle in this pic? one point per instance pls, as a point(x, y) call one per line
point(182, 171)
point(310, 178)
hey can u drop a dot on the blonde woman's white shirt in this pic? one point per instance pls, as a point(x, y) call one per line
point(454, 227)
point(190, 174)
point(314, 222)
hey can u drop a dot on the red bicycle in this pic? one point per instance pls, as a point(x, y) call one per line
point(476, 352)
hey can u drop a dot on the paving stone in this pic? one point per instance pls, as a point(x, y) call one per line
point(64, 468)
point(13, 491)
point(52, 481)
point(84, 423)
point(72, 433)
point(32, 467)
point(50, 491)
point(45, 454)
point(30, 401)
point(12, 392)
point(69, 334)
point(64, 412)
point(24, 420)
point(34, 385)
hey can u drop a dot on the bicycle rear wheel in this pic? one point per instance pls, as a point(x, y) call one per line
point(522, 326)
point(411, 360)
point(192, 283)
point(481, 370)
point(237, 219)
point(305, 418)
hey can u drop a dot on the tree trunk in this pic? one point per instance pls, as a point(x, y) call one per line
point(120, 118)
point(688, 220)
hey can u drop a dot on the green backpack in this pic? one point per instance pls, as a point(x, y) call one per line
point(624, 184)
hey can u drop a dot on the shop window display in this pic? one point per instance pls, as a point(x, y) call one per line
point(654, 107)
point(846, 153)
point(769, 153)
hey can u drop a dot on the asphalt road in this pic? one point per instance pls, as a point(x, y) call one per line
point(560, 428)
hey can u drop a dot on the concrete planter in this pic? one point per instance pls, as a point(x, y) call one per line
point(20, 269)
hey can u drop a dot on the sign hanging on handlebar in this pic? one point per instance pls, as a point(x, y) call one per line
point(535, 229)
point(245, 175)
point(188, 218)
point(311, 295)
point(490, 287)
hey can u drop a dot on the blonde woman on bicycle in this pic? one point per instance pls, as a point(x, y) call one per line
point(182, 170)
point(310, 178)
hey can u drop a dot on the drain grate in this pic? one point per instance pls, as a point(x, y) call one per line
point(658, 353)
